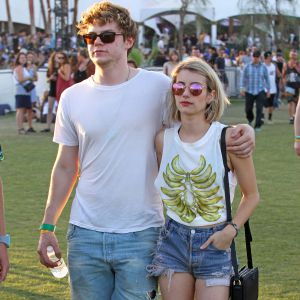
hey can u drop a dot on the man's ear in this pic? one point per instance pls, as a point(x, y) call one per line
point(130, 42)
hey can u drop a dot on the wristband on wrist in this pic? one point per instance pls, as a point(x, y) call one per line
point(47, 227)
point(42, 231)
point(235, 227)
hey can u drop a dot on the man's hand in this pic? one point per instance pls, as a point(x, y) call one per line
point(4, 263)
point(48, 239)
point(297, 148)
point(241, 140)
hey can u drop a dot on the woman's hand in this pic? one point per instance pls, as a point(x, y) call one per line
point(221, 239)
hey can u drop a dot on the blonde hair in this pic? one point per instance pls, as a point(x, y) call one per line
point(106, 12)
point(215, 108)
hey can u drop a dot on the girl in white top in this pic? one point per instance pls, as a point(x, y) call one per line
point(190, 263)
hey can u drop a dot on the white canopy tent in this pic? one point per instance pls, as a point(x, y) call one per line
point(141, 10)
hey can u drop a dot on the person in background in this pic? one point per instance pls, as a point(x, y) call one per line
point(105, 127)
point(297, 130)
point(291, 80)
point(32, 69)
point(23, 100)
point(272, 73)
point(52, 74)
point(171, 64)
point(131, 63)
point(4, 238)
point(64, 79)
point(85, 67)
point(192, 257)
point(254, 84)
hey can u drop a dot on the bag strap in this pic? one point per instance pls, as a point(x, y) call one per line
point(248, 236)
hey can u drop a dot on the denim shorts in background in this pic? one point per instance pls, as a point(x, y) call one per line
point(111, 266)
point(178, 250)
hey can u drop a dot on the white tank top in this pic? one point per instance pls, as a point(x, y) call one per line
point(190, 178)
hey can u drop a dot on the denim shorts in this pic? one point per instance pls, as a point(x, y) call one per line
point(111, 266)
point(178, 250)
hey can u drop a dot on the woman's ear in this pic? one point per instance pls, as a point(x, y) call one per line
point(211, 96)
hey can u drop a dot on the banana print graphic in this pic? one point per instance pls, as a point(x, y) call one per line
point(193, 185)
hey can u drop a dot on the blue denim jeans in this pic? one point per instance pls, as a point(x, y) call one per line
point(111, 266)
point(178, 250)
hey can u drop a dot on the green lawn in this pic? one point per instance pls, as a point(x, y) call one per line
point(275, 225)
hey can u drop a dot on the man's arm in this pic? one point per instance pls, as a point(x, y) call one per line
point(4, 262)
point(240, 140)
point(63, 178)
point(297, 129)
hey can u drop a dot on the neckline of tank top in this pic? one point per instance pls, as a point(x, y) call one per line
point(197, 142)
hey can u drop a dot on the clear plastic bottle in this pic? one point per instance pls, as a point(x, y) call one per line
point(61, 270)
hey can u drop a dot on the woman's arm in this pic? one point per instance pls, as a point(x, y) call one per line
point(159, 145)
point(65, 72)
point(19, 74)
point(245, 173)
point(297, 129)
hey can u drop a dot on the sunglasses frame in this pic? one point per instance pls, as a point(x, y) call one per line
point(93, 36)
point(180, 91)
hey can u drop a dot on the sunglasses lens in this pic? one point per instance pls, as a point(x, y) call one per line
point(196, 89)
point(107, 37)
point(178, 88)
point(89, 38)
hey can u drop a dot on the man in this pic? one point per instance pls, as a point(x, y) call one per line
point(291, 81)
point(255, 82)
point(4, 238)
point(105, 129)
point(272, 72)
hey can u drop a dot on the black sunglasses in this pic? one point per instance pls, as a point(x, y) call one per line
point(106, 37)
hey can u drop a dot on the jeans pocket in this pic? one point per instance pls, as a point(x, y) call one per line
point(71, 231)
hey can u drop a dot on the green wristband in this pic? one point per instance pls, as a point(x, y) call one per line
point(297, 136)
point(48, 227)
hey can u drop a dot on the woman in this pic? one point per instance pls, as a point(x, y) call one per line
point(23, 99)
point(64, 72)
point(193, 258)
point(85, 68)
point(171, 64)
point(51, 78)
point(32, 69)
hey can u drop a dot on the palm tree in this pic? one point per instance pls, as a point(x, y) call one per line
point(47, 29)
point(32, 21)
point(182, 13)
point(75, 12)
point(49, 16)
point(10, 23)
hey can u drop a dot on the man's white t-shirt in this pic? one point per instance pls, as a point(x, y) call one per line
point(272, 77)
point(114, 128)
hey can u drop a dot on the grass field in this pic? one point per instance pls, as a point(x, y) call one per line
point(275, 224)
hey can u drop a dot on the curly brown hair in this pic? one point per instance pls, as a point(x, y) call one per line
point(106, 12)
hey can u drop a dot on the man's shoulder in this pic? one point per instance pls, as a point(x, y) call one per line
point(156, 75)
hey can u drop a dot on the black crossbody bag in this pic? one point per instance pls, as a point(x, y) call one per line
point(244, 282)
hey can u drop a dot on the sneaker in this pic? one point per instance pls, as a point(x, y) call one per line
point(21, 131)
point(45, 130)
point(270, 122)
point(257, 129)
point(30, 129)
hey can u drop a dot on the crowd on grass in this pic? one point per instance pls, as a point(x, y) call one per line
point(236, 51)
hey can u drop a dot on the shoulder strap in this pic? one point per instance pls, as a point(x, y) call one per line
point(248, 236)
